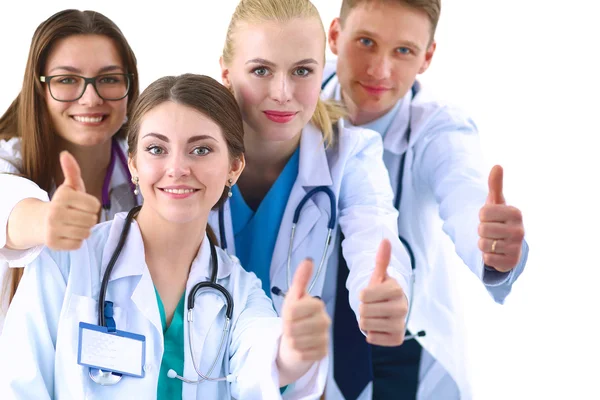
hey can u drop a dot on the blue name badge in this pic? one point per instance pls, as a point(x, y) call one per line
point(119, 351)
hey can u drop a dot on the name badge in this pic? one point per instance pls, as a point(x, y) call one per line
point(119, 351)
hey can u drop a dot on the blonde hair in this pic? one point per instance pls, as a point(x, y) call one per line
point(326, 113)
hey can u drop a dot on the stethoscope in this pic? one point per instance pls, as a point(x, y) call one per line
point(414, 90)
point(105, 314)
point(116, 153)
point(330, 226)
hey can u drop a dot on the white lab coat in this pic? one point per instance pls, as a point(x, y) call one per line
point(443, 188)
point(60, 289)
point(353, 169)
point(16, 188)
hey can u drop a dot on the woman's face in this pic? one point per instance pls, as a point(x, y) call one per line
point(182, 162)
point(89, 120)
point(275, 75)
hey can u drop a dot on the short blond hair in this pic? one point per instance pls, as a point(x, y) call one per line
point(326, 113)
point(432, 8)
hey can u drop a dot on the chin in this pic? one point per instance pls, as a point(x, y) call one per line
point(88, 139)
point(374, 106)
point(182, 216)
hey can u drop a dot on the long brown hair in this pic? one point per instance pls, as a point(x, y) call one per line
point(27, 117)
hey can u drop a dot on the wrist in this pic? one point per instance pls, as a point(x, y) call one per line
point(290, 365)
point(26, 224)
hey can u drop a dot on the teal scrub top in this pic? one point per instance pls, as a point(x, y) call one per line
point(173, 355)
point(255, 232)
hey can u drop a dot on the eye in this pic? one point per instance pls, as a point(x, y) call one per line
point(201, 151)
point(110, 79)
point(67, 80)
point(366, 42)
point(155, 150)
point(260, 71)
point(403, 50)
point(303, 71)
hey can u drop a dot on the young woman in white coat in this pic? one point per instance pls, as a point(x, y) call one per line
point(301, 163)
point(79, 86)
point(137, 273)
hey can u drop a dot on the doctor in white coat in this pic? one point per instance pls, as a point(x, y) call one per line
point(56, 110)
point(186, 142)
point(272, 61)
point(433, 156)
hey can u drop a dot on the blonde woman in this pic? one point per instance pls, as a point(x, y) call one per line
point(303, 163)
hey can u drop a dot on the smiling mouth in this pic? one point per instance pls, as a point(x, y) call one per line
point(180, 191)
point(89, 120)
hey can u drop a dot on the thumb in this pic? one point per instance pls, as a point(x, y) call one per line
point(71, 172)
point(382, 260)
point(495, 195)
point(301, 280)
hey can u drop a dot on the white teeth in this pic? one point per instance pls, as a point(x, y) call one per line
point(179, 191)
point(93, 120)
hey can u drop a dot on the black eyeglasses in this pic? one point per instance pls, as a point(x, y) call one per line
point(67, 88)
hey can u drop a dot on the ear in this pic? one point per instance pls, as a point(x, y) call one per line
point(334, 32)
point(224, 74)
point(131, 165)
point(428, 57)
point(237, 166)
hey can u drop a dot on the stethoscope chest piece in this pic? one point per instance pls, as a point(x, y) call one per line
point(104, 378)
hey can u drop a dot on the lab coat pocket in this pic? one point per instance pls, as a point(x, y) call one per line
point(78, 309)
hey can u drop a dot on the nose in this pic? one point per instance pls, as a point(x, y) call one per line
point(178, 166)
point(380, 67)
point(281, 90)
point(90, 96)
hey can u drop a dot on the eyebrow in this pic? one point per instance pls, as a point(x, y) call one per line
point(190, 140)
point(401, 42)
point(108, 68)
point(272, 64)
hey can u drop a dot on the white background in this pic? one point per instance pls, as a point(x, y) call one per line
point(525, 70)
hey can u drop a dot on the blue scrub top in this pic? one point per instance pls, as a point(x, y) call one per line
point(255, 232)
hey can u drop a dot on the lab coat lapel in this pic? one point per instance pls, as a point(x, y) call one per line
point(131, 263)
point(313, 171)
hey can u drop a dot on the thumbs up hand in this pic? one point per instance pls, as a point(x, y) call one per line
point(501, 229)
point(305, 320)
point(72, 212)
point(383, 305)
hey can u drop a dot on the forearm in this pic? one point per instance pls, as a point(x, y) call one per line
point(290, 367)
point(25, 224)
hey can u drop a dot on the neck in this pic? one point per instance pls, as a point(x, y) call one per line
point(265, 159)
point(93, 163)
point(357, 116)
point(170, 247)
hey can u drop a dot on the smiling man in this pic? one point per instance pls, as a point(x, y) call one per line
point(433, 156)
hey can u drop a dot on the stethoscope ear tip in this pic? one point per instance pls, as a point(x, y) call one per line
point(277, 292)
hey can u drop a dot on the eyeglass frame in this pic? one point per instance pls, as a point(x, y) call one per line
point(87, 81)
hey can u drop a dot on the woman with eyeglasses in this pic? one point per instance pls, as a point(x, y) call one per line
point(79, 86)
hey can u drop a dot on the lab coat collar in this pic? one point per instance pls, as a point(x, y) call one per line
point(134, 250)
point(313, 168)
point(394, 140)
